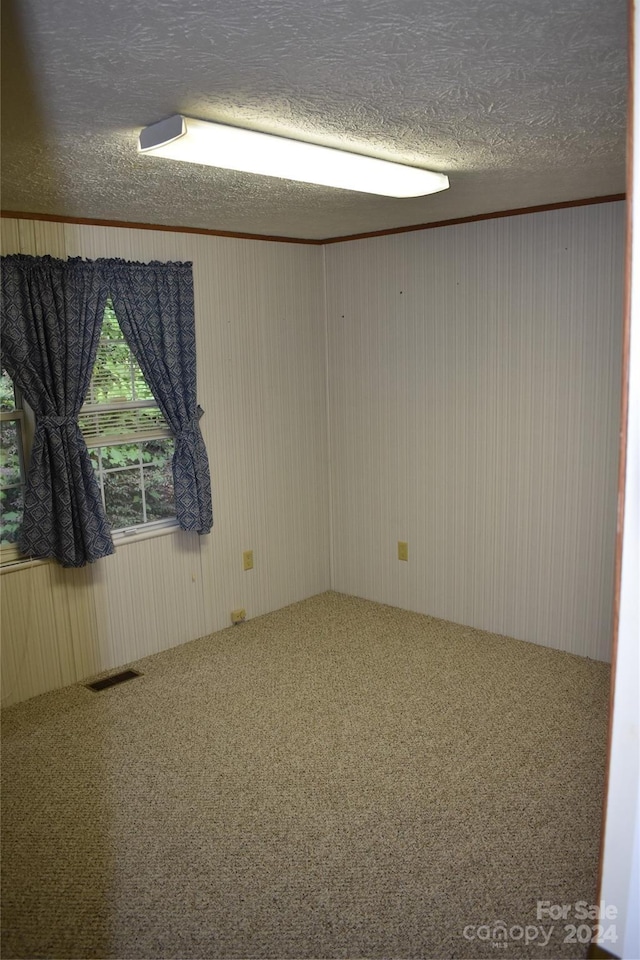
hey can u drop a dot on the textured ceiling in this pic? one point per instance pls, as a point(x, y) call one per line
point(521, 102)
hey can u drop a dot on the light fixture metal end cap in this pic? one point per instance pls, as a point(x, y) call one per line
point(161, 133)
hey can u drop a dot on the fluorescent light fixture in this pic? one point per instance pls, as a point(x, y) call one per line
point(218, 145)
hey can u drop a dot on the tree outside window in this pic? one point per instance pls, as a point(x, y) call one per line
point(12, 472)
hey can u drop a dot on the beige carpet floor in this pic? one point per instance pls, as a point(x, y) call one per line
point(338, 779)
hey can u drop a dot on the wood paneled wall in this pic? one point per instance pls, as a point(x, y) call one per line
point(260, 330)
point(474, 385)
point(472, 377)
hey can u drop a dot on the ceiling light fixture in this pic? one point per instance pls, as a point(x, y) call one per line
point(218, 145)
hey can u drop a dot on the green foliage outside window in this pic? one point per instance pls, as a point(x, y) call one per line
point(135, 477)
point(137, 481)
point(117, 376)
point(7, 395)
point(11, 481)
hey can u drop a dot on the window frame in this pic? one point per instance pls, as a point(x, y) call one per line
point(118, 532)
point(24, 417)
point(98, 442)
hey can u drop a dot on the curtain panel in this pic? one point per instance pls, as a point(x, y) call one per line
point(52, 314)
point(154, 304)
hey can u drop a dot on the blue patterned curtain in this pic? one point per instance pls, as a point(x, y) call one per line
point(154, 306)
point(51, 313)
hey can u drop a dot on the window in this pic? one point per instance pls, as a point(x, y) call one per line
point(12, 471)
point(130, 444)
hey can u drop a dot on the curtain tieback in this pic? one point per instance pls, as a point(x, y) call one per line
point(191, 427)
point(49, 421)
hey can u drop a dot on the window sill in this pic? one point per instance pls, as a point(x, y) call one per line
point(119, 540)
point(21, 563)
point(122, 539)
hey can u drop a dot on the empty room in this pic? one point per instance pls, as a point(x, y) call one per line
point(317, 574)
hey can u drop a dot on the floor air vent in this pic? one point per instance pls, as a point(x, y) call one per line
point(113, 680)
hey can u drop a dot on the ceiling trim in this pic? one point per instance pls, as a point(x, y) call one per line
point(517, 212)
point(130, 225)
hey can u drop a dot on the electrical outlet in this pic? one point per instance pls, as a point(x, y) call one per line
point(403, 550)
point(237, 616)
point(247, 559)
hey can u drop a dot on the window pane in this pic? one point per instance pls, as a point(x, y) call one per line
point(130, 445)
point(116, 376)
point(158, 479)
point(122, 455)
point(10, 514)
point(123, 498)
point(7, 396)
point(157, 452)
point(11, 481)
point(110, 326)
point(10, 453)
point(111, 380)
point(141, 390)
